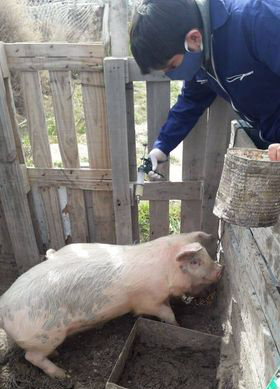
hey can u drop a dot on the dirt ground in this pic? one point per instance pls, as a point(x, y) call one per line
point(90, 356)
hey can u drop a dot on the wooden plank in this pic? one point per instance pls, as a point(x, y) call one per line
point(118, 22)
point(41, 63)
point(132, 154)
point(93, 90)
point(55, 50)
point(54, 56)
point(85, 179)
point(26, 185)
point(117, 124)
point(268, 239)
point(134, 73)
point(257, 271)
point(65, 125)
point(158, 105)
point(192, 169)
point(218, 134)
point(6, 247)
point(41, 153)
point(247, 373)
point(10, 102)
point(163, 191)
point(263, 349)
point(13, 197)
point(9, 272)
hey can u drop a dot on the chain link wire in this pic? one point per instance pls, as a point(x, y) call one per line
point(67, 20)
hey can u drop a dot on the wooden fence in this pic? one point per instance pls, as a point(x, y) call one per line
point(44, 206)
point(40, 214)
point(252, 263)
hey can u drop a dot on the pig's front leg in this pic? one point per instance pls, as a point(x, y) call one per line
point(165, 313)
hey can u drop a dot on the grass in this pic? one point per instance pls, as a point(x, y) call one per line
point(144, 219)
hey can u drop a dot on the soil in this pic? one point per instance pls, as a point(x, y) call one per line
point(89, 357)
point(155, 367)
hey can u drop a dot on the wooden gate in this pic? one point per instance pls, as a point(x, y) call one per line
point(55, 205)
point(203, 155)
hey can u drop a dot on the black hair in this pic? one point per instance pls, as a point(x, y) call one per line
point(158, 31)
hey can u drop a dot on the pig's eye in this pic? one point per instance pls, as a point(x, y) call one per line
point(195, 262)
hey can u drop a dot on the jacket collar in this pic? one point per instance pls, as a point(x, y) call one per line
point(214, 14)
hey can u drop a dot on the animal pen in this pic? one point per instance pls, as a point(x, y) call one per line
point(99, 199)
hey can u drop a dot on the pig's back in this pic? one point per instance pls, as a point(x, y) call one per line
point(79, 278)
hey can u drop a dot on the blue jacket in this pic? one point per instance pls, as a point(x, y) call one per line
point(245, 40)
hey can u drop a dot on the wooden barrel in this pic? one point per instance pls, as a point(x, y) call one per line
point(249, 190)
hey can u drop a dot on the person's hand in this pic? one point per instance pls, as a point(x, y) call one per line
point(156, 156)
point(274, 152)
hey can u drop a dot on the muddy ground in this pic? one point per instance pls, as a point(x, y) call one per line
point(90, 356)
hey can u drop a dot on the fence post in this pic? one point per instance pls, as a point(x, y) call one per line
point(12, 193)
point(118, 24)
point(115, 83)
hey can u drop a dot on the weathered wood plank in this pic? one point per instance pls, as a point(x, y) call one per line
point(10, 102)
point(117, 124)
point(218, 135)
point(54, 56)
point(263, 349)
point(158, 105)
point(132, 154)
point(164, 191)
point(9, 272)
point(248, 378)
point(118, 21)
point(257, 271)
point(93, 89)
point(55, 50)
point(134, 73)
point(13, 197)
point(26, 184)
point(86, 179)
point(41, 63)
point(268, 239)
point(6, 247)
point(41, 152)
point(65, 125)
point(192, 169)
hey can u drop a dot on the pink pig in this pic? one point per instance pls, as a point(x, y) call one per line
point(81, 285)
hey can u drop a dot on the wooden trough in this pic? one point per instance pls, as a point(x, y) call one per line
point(149, 344)
point(38, 204)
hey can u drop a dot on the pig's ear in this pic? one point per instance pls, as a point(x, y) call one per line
point(188, 254)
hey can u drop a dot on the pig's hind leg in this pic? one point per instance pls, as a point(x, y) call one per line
point(40, 347)
point(37, 358)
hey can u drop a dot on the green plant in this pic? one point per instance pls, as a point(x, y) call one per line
point(144, 219)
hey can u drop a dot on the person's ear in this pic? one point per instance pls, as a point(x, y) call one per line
point(193, 40)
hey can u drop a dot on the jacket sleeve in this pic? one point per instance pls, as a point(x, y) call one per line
point(182, 117)
point(264, 28)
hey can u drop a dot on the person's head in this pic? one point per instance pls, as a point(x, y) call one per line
point(159, 31)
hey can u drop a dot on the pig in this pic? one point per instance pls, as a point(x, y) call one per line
point(84, 284)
